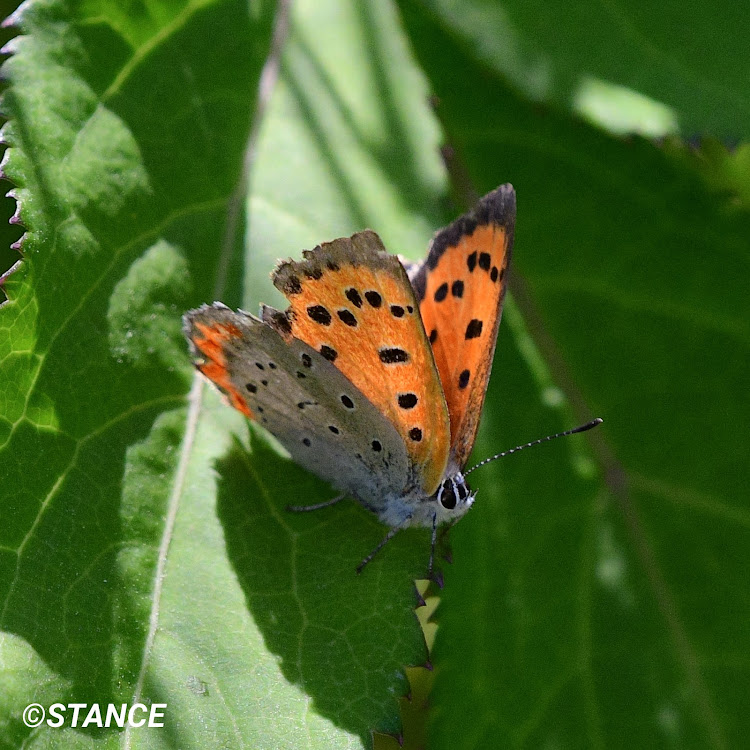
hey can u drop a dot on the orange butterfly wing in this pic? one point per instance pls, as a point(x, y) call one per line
point(353, 302)
point(460, 287)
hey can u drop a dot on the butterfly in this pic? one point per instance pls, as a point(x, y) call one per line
point(375, 376)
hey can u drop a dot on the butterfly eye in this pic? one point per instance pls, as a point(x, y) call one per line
point(447, 496)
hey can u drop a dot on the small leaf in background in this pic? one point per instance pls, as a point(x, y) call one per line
point(694, 65)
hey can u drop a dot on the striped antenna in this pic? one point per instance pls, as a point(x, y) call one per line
point(582, 428)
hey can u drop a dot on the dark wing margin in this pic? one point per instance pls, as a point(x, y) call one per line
point(497, 207)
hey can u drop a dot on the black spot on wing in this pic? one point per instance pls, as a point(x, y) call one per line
point(329, 353)
point(319, 314)
point(354, 297)
point(313, 272)
point(374, 298)
point(474, 329)
point(407, 400)
point(392, 355)
point(291, 285)
point(347, 317)
point(279, 320)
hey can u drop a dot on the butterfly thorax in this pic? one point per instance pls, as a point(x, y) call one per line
point(447, 504)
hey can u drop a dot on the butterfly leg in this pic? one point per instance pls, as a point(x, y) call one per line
point(380, 546)
point(432, 546)
point(317, 506)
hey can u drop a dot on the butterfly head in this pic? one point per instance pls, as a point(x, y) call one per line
point(453, 498)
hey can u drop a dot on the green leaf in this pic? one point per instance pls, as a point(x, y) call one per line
point(725, 170)
point(359, 142)
point(9, 233)
point(648, 64)
point(599, 605)
point(597, 595)
point(145, 552)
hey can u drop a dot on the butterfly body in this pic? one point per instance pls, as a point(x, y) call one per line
point(373, 378)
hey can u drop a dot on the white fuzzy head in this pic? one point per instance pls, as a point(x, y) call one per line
point(453, 498)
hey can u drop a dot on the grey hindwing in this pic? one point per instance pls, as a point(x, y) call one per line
point(324, 421)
